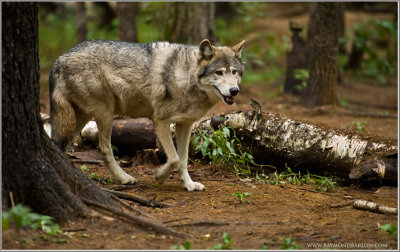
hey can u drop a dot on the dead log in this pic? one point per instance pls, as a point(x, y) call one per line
point(278, 140)
point(128, 135)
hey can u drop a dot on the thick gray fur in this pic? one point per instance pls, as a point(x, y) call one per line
point(168, 83)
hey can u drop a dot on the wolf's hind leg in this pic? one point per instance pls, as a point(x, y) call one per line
point(182, 139)
point(104, 124)
point(164, 135)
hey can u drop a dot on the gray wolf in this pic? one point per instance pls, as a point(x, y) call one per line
point(168, 83)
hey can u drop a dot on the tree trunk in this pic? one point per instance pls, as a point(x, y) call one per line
point(323, 67)
point(295, 59)
point(36, 172)
point(127, 21)
point(106, 15)
point(201, 22)
point(81, 21)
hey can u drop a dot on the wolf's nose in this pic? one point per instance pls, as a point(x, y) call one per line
point(234, 91)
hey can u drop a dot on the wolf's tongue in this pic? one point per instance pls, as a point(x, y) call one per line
point(229, 99)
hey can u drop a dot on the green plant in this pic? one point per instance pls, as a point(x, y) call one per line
point(84, 168)
point(227, 242)
point(377, 39)
point(223, 148)
point(391, 229)
point(288, 176)
point(303, 75)
point(22, 216)
point(184, 246)
point(359, 125)
point(289, 244)
point(242, 196)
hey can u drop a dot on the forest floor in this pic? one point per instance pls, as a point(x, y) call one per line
point(274, 212)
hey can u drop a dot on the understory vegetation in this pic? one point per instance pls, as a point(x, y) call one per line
point(223, 148)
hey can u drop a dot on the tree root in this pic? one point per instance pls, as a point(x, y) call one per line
point(158, 228)
point(142, 200)
point(373, 207)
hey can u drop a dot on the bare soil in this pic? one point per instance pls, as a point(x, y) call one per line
point(274, 212)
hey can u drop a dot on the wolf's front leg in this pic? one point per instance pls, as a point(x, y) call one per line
point(182, 138)
point(164, 135)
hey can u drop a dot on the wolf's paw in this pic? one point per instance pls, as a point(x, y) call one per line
point(126, 179)
point(194, 186)
point(164, 171)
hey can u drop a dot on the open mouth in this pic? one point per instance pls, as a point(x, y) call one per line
point(227, 99)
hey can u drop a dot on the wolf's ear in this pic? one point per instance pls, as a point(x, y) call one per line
point(238, 49)
point(206, 50)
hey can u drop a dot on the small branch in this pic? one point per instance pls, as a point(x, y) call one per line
point(82, 161)
point(185, 218)
point(142, 200)
point(373, 207)
point(144, 223)
point(11, 199)
point(74, 230)
point(202, 223)
point(121, 187)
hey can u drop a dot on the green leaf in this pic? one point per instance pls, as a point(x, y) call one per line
point(226, 132)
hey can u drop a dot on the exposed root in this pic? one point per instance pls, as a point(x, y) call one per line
point(143, 201)
point(159, 228)
point(129, 207)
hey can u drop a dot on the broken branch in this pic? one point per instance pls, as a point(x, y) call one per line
point(142, 200)
point(373, 207)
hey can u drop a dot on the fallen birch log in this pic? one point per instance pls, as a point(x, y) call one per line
point(373, 207)
point(278, 140)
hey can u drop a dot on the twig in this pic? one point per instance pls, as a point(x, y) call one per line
point(82, 161)
point(185, 218)
point(142, 200)
point(74, 230)
point(12, 199)
point(202, 223)
point(373, 207)
point(120, 187)
point(144, 223)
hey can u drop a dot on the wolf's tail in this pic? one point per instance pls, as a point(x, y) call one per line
point(62, 114)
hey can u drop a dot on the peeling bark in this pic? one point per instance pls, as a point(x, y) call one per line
point(303, 146)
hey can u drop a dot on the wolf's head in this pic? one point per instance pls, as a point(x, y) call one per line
point(220, 70)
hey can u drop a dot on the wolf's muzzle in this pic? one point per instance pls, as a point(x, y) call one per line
point(234, 91)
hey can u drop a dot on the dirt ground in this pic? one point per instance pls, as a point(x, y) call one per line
point(274, 212)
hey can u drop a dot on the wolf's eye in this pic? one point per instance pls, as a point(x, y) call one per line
point(234, 72)
point(219, 72)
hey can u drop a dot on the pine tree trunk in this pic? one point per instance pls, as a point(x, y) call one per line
point(81, 21)
point(323, 67)
point(201, 22)
point(36, 172)
point(127, 21)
